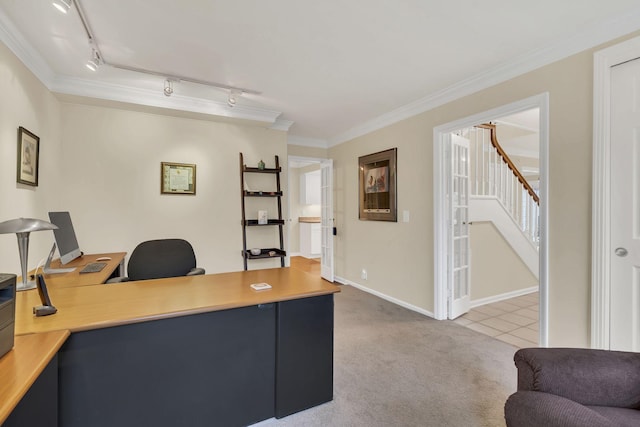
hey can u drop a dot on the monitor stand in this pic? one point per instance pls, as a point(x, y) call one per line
point(47, 265)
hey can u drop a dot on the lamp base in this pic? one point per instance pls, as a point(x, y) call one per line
point(20, 286)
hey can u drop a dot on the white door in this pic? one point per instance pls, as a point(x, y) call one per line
point(459, 248)
point(326, 204)
point(625, 207)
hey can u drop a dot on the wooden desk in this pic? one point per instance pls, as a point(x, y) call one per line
point(21, 367)
point(66, 280)
point(198, 350)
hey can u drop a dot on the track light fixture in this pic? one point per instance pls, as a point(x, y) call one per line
point(233, 97)
point(94, 62)
point(168, 87)
point(62, 5)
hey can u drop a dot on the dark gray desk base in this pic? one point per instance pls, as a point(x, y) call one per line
point(39, 406)
point(216, 368)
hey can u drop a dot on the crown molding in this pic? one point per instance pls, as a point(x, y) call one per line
point(153, 98)
point(282, 124)
point(30, 57)
point(522, 64)
point(307, 142)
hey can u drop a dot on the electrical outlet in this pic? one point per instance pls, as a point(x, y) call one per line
point(363, 274)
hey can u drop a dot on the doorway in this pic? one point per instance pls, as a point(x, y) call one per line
point(310, 225)
point(608, 254)
point(444, 226)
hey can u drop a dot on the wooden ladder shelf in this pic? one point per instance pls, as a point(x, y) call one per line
point(279, 222)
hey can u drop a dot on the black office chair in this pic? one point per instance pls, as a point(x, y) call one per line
point(157, 259)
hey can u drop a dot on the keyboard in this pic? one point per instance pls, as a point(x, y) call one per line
point(93, 267)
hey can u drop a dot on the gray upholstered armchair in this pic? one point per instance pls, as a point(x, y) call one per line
point(575, 387)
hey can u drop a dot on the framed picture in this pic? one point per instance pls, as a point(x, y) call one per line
point(28, 157)
point(378, 186)
point(177, 178)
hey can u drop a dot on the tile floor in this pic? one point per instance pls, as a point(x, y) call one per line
point(514, 321)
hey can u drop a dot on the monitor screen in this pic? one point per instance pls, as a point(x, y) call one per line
point(65, 236)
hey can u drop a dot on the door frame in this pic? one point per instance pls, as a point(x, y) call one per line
point(440, 169)
point(319, 161)
point(603, 61)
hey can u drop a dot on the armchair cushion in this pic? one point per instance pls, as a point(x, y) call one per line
point(571, 387)
point(536, 409)
point(587, 376)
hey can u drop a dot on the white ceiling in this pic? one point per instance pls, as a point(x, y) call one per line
point(324, 69)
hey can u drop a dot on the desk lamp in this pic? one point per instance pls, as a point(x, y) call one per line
point(22, 227)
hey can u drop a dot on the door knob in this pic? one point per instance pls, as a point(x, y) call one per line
point(621, 252)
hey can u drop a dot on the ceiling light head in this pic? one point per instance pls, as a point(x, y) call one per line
point(168, 87)
point(94, 62)
point(232, 100)
point(62, 5)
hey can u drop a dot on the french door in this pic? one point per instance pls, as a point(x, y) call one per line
point(459, 298)
point(326, 205)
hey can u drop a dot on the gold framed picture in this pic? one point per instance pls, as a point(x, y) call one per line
point(377, 178)
point(177, 178)
point(28, 157)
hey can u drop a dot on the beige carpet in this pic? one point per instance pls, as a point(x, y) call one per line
point(394, 367)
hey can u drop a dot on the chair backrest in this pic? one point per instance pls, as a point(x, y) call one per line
point(157, 259)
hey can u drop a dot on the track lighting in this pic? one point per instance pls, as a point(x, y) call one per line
point(62, 5)
point(168, 87)
point(94, 62)
point(97, 60)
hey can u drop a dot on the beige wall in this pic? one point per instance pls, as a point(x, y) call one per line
point(400, 255)
point(495, 268)
point(302, 151)
point(26, 102)
point(103, 165)
point(111, 170)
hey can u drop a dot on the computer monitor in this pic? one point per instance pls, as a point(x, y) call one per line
point(65, 237)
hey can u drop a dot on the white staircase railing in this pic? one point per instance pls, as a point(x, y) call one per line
point(493, 174)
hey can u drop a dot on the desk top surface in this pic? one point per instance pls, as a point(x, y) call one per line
point(74, 278)
point(100, 306)
point(21, 366)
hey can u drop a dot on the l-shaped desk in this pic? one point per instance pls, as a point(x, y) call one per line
point(198, 350)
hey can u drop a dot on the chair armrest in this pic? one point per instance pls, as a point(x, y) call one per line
point(535, 409)
point(118, 280)
point(196, 271)
point(587, 376)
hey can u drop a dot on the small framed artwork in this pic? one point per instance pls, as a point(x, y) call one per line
point(177, 178)
point(378, 186)
point(28, 157)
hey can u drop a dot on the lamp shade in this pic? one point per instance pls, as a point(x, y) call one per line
point(25, 225)
point(22, 227)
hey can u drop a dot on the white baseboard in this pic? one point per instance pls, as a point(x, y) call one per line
point(294, 254)
point(384, 296)
point(502, 297)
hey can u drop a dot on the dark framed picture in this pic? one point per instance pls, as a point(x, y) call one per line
point(378, 186)
point(177, 178)
point(28, 157)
